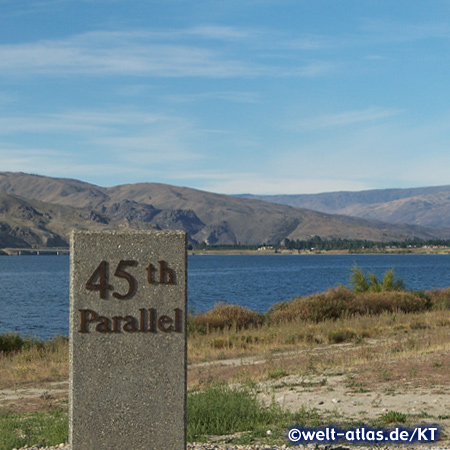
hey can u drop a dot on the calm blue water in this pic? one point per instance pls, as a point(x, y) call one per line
point(34, 290)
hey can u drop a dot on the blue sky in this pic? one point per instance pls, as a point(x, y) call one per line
point(262, 97)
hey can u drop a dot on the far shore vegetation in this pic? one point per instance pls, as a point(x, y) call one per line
point(381, 321)
point(315, 244)
point(318, 245)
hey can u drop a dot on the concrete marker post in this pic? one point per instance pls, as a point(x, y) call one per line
point(128, 340)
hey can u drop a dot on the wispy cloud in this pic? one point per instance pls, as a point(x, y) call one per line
point(126, 142)
point(229, 96)
point(76, 121)
point(132, 54)
point(256, 183)
point(147, 53)
point(224, 33)
point(399, 31)
point(345, 118)
point(20, 8)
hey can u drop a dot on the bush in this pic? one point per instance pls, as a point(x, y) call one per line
point(224, 315)
point(343, 302)
point(10, 342)
point(329, 305)
point(13, 343)
point(439, 298)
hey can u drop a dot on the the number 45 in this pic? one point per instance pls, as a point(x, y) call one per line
point(99, 279)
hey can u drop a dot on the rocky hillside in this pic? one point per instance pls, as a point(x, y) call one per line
point(37, 210)
point(428, 207)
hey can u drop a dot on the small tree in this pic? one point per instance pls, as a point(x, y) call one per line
point(389, 282)
point(358, 280)
point(369, 283)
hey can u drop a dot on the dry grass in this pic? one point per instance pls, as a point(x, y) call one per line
point(395, 345)
point(381, 335)
point(40, 363)
point(235, 343)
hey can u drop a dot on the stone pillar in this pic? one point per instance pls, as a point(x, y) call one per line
point(128, 341)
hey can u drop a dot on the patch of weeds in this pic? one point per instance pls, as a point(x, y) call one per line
point(290, 339)
point(276, 373)
point(220, 342)
point(341, 335)
point(423, 415)
point(312, 365)
point(386, 374)
point(394, 417)
point(224, 411)
point(314, 383)
point(357, 386)
point(418, 325)
point(438, 364)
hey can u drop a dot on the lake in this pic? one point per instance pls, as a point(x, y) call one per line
point(34, 290)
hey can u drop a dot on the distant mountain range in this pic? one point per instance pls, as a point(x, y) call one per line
point(428, 207)
point(40, 211)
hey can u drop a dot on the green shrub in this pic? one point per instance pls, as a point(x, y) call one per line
point(10, 343)
point(13, 343)
point(361, 282)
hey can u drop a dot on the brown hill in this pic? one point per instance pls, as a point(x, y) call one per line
point(56, 205)
point(428, 207)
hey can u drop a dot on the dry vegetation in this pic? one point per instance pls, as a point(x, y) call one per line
point(335, 316)
point(26, 362)
point(382, 355)
point(312, 334)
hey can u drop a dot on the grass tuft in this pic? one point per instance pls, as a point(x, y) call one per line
point(222, 410)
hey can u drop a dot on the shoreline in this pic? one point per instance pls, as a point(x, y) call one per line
point(279, 252)
point(421, 251)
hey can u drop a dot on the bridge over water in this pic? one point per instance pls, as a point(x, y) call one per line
point(36, 251)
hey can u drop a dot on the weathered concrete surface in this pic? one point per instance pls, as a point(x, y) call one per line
point(128, 349)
